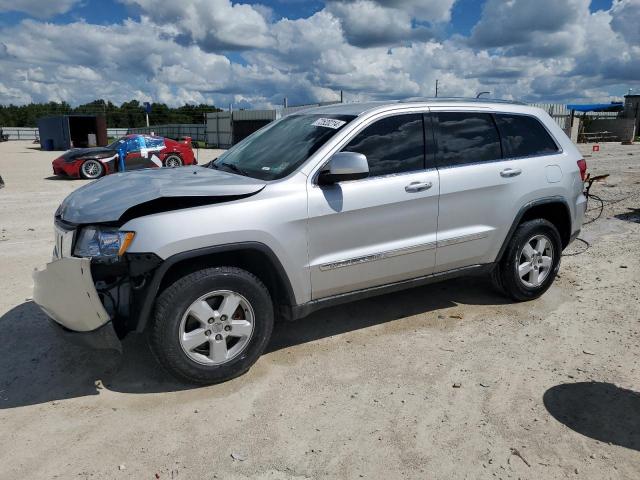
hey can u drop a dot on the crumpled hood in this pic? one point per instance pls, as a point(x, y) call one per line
point(108, 198)
point(93, 152)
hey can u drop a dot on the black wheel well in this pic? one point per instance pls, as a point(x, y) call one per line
point(252, 260)
point(555, 212)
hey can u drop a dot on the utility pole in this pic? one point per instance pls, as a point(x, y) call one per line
point(286, 102)
point(341, 96)
point(436, 88)
point(147, 110)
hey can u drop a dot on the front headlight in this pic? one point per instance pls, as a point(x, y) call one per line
point(105, 242)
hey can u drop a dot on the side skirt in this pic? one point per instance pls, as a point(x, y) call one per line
point(301, 311)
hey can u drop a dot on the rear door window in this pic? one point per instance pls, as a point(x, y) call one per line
point(467, 137)
point(524, 136)
point(392, 145)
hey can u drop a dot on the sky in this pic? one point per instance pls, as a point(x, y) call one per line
point(253, 54)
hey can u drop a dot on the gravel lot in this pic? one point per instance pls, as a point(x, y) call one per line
point(445, 381)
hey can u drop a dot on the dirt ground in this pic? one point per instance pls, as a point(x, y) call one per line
point(447, 381)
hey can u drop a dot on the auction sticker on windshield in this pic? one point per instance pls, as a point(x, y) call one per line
point(329, 123)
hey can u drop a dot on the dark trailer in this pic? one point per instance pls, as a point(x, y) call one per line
point(63, 132)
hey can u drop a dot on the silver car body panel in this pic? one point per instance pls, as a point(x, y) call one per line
point(357, 234)
point(276, 217)
point(65, 291)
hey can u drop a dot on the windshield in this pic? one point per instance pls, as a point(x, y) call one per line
point(278, 149)
point(114, 145)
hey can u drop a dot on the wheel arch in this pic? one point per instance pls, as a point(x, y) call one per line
point(553, 209)
point(253, 257)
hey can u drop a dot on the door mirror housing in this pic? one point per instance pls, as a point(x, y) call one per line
point(344, 166)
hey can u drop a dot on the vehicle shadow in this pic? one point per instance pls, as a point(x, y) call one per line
point(60, 177)
point(633, 215)
point(37, 366)
point(601, 411)
point(385, 308)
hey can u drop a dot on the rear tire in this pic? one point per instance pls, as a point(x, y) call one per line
point(91, 169)
point(531, 261)
point(201, 339)
point(173, 161)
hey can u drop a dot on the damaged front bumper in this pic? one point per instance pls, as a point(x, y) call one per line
point(65, 291)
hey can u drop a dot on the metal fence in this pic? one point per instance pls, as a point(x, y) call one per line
point(197, 131)
point(29, 133)
point(562, 115)
point(20, 133)
point(117, 132)
point(227, 128)
point(218, 131)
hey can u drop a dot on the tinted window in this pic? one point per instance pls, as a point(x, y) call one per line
point(524, 136)
point(391, 145)
point(467, 138)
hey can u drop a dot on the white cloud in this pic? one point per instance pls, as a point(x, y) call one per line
point(178, 53)
point(525, 27)
point(428, 10)
point(366, 23)
point(37, 8)
point(625, 15)
point(212, 24)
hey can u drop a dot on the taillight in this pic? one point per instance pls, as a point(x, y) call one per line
point(582, 165)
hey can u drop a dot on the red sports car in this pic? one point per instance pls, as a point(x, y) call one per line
point(130, 152)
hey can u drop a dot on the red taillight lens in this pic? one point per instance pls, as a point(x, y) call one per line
point(582, 165)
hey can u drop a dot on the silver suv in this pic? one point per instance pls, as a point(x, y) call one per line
point(321, 207)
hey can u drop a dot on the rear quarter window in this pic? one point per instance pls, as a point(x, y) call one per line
point(524, 136)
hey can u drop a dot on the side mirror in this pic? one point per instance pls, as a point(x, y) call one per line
point(344, 166)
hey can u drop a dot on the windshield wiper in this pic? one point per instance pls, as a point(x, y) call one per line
point(232, 167)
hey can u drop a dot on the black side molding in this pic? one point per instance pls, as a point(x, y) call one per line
point(148, 294)
point(522, 211)
point(301, 311)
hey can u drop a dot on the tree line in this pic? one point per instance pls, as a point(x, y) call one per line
point(128, 115)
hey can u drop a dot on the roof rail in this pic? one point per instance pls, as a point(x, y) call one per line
point(460, 99)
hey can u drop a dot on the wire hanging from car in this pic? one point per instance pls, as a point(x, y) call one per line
point(602, 202)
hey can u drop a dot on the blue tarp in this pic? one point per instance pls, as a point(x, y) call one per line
point(597, 107)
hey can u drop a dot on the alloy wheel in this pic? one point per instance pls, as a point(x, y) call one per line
point(172, 162)
point(217, 327)
point(91, 169)
point(535, 261)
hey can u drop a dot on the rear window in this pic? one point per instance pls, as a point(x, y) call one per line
point(465, 138)
point(524, 136)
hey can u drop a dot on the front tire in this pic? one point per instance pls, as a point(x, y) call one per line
point(531, 261)
point(91, 169)
point(211, 325)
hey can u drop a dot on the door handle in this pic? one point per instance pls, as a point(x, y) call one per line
point(418, 187)
point(510, 172)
